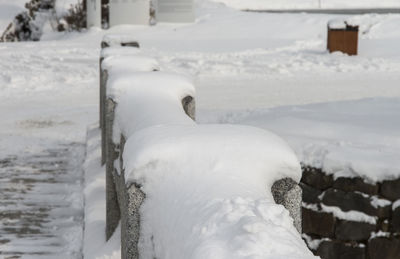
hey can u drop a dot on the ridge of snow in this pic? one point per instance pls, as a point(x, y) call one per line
point(351, 215)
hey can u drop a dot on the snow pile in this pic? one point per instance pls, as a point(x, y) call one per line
point(210, 186)
point(148, 99)
point(95, 245)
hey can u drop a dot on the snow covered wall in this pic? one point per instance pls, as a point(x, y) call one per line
point(194, 191)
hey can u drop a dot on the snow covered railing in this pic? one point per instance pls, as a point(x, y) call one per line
point(116, 56)
point(182, 190)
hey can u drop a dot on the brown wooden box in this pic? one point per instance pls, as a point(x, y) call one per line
point(344, 40)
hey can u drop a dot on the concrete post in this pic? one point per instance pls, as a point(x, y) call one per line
point(93, 13)
point(112, 206)
point(103, 99)
point(130, 198)
point(189, 106)
point(103, 92)
point(289, 194)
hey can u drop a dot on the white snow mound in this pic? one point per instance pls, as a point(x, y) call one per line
point(208, 192)
point(148, 99)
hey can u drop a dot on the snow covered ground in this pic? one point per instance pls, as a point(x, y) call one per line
point(308, 4)
point(246, 66)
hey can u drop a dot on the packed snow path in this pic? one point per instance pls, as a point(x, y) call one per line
point(48, 97)
point(41, 204)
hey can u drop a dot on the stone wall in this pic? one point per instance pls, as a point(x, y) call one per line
point(349, 217)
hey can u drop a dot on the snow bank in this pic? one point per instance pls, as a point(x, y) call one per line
point(210, 186)
point(349, 139)
point(95, 245)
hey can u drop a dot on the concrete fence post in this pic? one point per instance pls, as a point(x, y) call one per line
point(103, 92)
point(123, 200)
point(189, 106)
point(289, 194)
point(112, 206)
point(130, 198)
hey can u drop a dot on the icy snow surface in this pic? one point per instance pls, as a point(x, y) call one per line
point(45, 105)
point(351, 215)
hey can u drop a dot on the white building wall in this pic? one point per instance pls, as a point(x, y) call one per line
point(129, 12)
point(93, 13)
point(177, 11)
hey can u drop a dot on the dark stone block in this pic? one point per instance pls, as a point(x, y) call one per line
point(355, 184)
point(384, 248)
point(383, 225)
point(391, 189)
point(354, 201)
point(338, 250)
point(316, 178)
point(310, 194)
point(318, 223)
point(396, 220)
point(353, 231)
